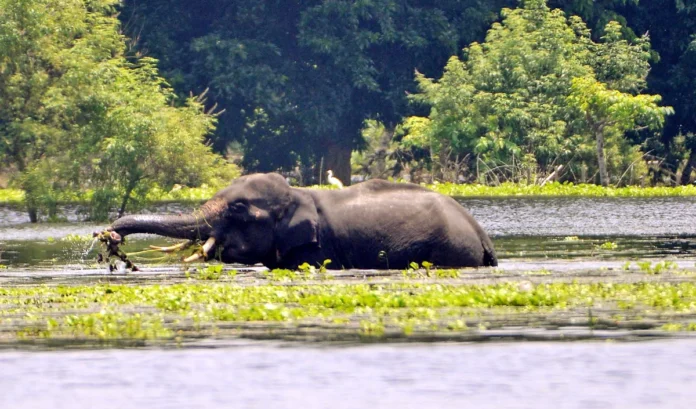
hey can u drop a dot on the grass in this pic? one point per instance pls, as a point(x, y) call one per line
point(156, 195)
point(200, 194)
point(11, 196)
point(560, 189)
point(212, 304)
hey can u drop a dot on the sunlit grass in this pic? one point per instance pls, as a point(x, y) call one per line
point(561, 189)
point(474, 190)
point(200, 194)
point(11, 196)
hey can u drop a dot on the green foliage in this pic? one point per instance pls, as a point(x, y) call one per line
point(415, 271)
point(77, 239)
point(282, 274)
point(514, 96)
point(380, 156)
point(674, 326)
point(79, 113)
point(297, 80)
point(310, 270)
point(611, 112)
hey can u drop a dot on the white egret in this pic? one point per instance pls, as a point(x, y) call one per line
point(334, 180)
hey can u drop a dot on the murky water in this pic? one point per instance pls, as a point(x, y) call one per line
point(564, 236)
point(521, 228)
point(252, 375)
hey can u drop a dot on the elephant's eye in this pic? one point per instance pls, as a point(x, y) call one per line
point(238, 207)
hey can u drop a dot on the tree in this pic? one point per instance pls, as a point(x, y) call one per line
point(298, 80)
point(671, 25)
point(609, 111)
point(78, 113)
point(507, 101)
point(381, 158)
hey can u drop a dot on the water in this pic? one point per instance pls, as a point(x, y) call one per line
point(520, 227)
point(501, 217)
point(569, 216)
point(561, 235)
point(258, 375)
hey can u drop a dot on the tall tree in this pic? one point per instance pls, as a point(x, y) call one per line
point(614, 112)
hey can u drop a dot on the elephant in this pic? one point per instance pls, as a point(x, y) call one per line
point(260, 218)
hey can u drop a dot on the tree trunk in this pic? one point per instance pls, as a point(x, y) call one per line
point(382, 153)
point(32, 209)
point(601, 160)
point(690, 165)
point(337, 159)
point(126, 197)
point(33, 214)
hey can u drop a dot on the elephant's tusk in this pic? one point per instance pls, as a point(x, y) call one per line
point(208, 245)
point(203, 253)
point(193, 257)
point(176, 247)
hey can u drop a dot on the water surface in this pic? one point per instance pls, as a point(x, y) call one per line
point(258, 375)
point(521, 228)
point(564, 237)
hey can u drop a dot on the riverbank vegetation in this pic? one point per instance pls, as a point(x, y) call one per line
point(321, 306)
point(15, 197)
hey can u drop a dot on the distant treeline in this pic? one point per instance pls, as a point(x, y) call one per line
point(123, 97)
point(298, 80)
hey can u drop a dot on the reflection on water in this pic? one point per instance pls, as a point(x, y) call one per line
point(255, 375)
point(597, 247)
point(13, 216)
point(511, 249)
point(526, 216)
point(579, 216)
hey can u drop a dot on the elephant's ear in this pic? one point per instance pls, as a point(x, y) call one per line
point(298, 226)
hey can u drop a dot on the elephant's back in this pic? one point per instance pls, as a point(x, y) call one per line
point(385, 186)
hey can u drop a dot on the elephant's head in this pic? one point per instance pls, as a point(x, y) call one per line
point(257, 218)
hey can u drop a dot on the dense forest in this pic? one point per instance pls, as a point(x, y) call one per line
point(120, 98)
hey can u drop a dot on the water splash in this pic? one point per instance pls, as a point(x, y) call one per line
point(86, 252)
point(121, 267)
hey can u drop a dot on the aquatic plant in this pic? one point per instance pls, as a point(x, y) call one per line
point(408, 307)
point(608, 245)
point(658, 268)
point(210, 272)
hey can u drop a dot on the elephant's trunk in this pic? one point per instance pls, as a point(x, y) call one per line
point(195, 226)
